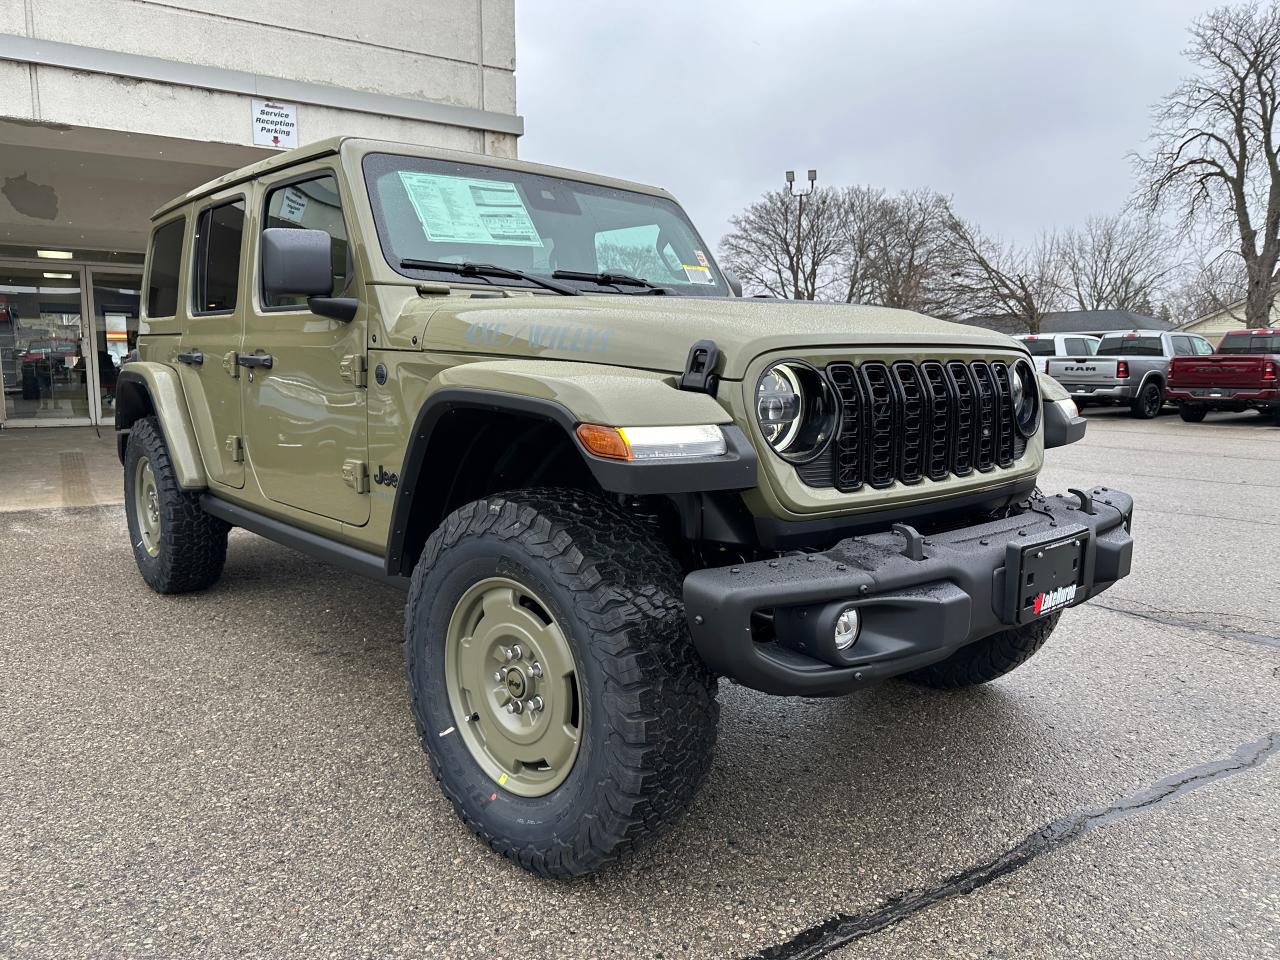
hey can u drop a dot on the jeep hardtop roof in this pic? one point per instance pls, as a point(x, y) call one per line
point(355, 147)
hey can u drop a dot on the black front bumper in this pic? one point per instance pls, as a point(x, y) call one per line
point(768, 624)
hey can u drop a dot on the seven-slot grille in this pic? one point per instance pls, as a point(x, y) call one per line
point(906, 421)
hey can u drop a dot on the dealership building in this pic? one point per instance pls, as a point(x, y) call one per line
point(110, 107)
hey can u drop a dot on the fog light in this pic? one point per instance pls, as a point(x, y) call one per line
point(847, 625)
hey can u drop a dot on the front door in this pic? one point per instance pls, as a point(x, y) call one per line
point(305, 426)
point(212, 335)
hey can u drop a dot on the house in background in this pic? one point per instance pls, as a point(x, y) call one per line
point(1091, 322)
point(1214, 324)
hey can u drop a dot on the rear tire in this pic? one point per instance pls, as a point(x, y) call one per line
point(1192, 414)
point(986, 659)
point(178, 547)
point(646, 711)
point(1147, 404)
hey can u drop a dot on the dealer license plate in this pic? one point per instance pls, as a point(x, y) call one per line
point(1050, 577)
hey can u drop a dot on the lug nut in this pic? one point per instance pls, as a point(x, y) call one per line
point(535, 668)
point(534, 704)
point(515, 706)
point(497, 676)
point(517, 651)
point(508, 654)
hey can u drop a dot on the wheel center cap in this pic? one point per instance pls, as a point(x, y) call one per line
point(517, 683)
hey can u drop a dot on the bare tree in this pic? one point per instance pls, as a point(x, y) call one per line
point(861, 228)
point(1216, 158)
point(776, 248)
point(1115, 263)
point(995, 280)
point(1211, 283)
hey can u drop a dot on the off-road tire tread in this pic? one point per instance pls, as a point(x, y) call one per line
point(660, 702)
point(193, 544)
point(987, 659)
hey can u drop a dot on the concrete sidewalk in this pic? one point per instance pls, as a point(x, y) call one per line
point(53, 467)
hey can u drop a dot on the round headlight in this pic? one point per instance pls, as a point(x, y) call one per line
point(796, 410)
point(1026, 398)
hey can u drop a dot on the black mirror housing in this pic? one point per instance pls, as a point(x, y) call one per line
point(296, 261)
point(734, 283)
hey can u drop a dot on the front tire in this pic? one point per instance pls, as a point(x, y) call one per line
point(178, 547)
point(1192, 414)
point(567, 581)
point(1148, 403)
point(987, 659)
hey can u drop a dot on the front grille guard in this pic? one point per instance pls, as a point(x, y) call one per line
point(905, 421)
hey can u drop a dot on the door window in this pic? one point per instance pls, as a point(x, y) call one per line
point(165, 260)
point(44, 367)
point(1203, 347)
point(310, 205)
point(1077, 347)
point(1182, 346)
point(216, 270)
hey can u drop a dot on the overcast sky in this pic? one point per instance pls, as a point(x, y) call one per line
point(1024, 112)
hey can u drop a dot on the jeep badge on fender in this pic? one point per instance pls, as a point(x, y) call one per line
point(616, 480)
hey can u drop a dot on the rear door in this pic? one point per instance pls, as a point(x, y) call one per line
point(306, 432)
point(212, 333)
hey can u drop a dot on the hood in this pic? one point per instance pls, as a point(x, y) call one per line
point(655, 333)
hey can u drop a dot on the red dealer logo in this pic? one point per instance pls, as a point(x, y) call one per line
point(1053, 599)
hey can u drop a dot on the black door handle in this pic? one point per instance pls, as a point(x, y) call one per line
point(192, 358)
point(254, 360)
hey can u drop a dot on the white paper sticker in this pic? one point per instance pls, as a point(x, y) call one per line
point(293, 205)
point(462, 210)
point(275, 124)
point(697, 274)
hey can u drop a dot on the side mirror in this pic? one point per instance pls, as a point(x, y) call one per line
point(297, 262)
point(735, 284)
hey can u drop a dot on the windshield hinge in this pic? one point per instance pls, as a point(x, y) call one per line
point(700, 368)
point(352, 368)
point(355, 473)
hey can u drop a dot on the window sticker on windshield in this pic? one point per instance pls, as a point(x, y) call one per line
point(702, 258)
point(697, 274)
point(462, 210)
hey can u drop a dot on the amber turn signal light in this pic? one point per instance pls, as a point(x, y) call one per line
point(604, 441)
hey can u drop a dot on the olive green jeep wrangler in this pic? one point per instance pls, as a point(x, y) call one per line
point(530, 398)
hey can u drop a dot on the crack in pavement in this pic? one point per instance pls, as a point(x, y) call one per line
point(1199, 620)
point(843, 929)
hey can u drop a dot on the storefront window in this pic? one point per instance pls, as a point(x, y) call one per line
point(43, 340)
point(115, 306)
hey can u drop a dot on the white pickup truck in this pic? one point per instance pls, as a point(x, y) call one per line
point(1131, 367)
point(1043, 346)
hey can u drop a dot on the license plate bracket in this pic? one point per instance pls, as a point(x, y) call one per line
point(1044, 576)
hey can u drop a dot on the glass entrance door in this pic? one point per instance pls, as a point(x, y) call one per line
point(45, 346)
point(116, 297)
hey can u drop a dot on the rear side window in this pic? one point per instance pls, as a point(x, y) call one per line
point(1182, 346)
point(1203, 347)
point(1078, 347)
point(217, 257)
point(166, 261)
point(311, 205)
point(1130, 347)
point(1039, 348)
point(1250, 343)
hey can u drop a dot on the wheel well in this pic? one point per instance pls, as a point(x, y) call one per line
point(133, 402)
point(472, 453)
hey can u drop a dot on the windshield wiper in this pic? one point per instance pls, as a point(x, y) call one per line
point(610, 279)
point(489, 270)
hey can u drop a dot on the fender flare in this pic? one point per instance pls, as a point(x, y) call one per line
point(736, 470)
point(1162, 377)
point(144, 389)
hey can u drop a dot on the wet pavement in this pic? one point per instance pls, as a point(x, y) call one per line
point(235, 773)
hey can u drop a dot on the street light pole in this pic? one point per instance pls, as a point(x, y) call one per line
point(799, 195)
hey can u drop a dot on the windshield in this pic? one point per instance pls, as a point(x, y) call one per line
point(1250, 343)
point(1039, 348)
point(1130, 347)
point(467, 213)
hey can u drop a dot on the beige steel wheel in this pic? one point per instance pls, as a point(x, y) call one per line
point(513, 686)
point(146, 507)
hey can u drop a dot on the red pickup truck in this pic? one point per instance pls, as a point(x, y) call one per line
point(1241, 375)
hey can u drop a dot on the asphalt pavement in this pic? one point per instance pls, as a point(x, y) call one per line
point(235, 773)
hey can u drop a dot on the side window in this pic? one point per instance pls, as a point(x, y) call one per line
point(311, 205)
point(166, 261)
point(1077, 347)
point(1182, 346)
point(1203, 347)
point(634, 250)
point(216, 272)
